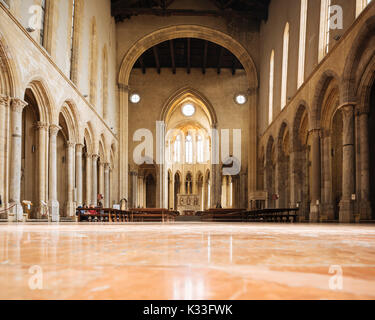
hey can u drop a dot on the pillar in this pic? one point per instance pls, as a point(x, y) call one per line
point(316, 176)
point(42, 160)
point(106, 185)
point(70, 207)
point(79, 148)
point(94, 172)
point(365, 206)
point(17, 106)
point(134, 189)
point(101, 177)
point(4, 104)
point(327, 211)
point(124, 132)
point(54, 207)
point(348, 166)
point(88, 178)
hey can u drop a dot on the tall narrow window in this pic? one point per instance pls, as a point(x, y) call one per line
point(189, 149)
point(200, 149)
point(93, 63)
point(302, 43)
point(72, 37)
point(177, 150)
point(361, 5)
point(42, 22)
point(284, 75)
point(270, 99)
point(324, 39)
point(105, 83)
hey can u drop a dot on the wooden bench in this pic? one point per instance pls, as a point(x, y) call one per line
point(152, 215)
point(281, 215)
point(223, 215)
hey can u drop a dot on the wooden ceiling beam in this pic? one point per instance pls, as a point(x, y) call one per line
point(156, 56)
point(188, 55)
point(220, 60)
point(205, 50)
point(173, 60)
point(142, 63)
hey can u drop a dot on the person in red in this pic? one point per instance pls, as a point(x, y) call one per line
point(92, 212)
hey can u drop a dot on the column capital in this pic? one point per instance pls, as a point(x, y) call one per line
point(17, 105)
point(80, 146)
point(70, 144)
point(41, 126)
point(347, 108)
point(4, 100)
point(101, 164)
point(54, 130)
point(107, 166)
point(95, 157)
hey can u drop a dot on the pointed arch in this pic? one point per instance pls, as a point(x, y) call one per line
point(285, 64)
point(183, 94)
point(70, 114)
point(8, 78)
point(44, 101)
point(93, 74)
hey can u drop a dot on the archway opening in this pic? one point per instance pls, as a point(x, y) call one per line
point(372, 149)
point(62, 165)
point(30, 154)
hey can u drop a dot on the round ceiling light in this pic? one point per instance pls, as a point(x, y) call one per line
point(188, 110)
point(240, 99)
point(135, 98)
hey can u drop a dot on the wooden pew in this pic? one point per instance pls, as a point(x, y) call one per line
point(102, 215)
point(281, 215)
point(153, 215)
point(223, 215)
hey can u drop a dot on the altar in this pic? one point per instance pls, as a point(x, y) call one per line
point(188, 204)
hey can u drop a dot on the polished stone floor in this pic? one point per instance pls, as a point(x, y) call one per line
point(187, 261)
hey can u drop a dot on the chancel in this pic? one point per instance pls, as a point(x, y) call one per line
point(187, 149)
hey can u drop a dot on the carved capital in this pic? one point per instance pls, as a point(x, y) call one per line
point(17, 105)
point(70, 145)
point(79, 147)
point(95, 157)
point(4, 100)
point(41, 126)
point(54, 130)
point(107, 166)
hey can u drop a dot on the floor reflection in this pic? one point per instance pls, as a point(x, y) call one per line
point(186, 261)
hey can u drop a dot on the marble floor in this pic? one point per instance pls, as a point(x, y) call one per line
point(187, 261)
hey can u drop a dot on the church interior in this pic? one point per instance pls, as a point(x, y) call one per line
point(199, 149)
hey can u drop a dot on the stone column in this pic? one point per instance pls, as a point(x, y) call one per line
point(4, 104)
point(106, 185)
point(54, 207)
point(42, 129)
point(101, 177)
point(316, 176)
point(70, 207)
point(327, 212)
point(94, 197)
point(88, 178)
point(79, 148)
point(124, 132)
point(134, 189)
point(348, 166)
point(17, 106)
point(216, 172)
point(365, 206)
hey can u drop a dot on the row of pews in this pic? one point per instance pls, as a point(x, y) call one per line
point(132, 215)
point(283, 215)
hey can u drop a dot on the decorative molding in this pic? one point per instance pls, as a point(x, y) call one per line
point(54, 130)
point(4, 100)
point(17, 105)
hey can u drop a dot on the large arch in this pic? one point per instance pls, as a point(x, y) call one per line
point(362, 51)
point(187, 31)
point(8, 76)
point(320, 91)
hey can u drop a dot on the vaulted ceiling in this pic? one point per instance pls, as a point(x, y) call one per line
point(255, 10)
point(188, 53)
